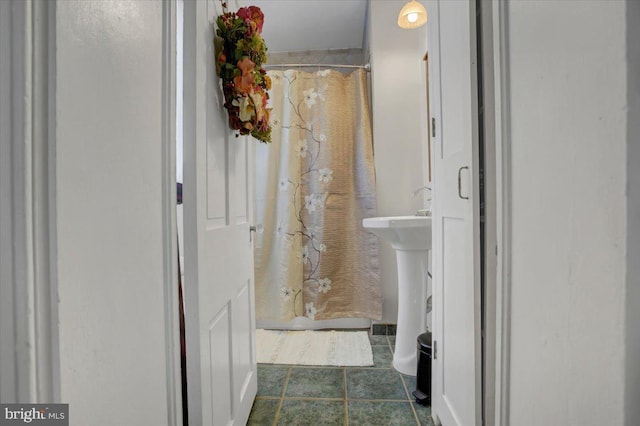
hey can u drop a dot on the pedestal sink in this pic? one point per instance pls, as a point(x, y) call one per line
point(410, 236)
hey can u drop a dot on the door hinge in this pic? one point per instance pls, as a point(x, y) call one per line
point(433, 127)
point(435, 349)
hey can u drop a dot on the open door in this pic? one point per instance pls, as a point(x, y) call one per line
point(219, 292)
point(456, 227)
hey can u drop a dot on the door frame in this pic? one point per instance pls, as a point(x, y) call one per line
point(31, 359)
point(498, 213)
point(497, 186)
point(169, 213)
point(30, 349)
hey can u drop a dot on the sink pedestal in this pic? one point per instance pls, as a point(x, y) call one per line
point(412, 315)
point(410, 236)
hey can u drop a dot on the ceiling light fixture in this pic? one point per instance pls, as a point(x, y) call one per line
point(412, 15)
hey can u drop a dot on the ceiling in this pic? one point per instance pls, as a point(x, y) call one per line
point(301, 25)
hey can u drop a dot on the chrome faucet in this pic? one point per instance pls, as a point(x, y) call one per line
point(424, 212)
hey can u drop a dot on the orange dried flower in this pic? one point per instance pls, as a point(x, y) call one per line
point(245, 82)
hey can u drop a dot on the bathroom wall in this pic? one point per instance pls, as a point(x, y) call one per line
point(570, 154)
point(399, 126)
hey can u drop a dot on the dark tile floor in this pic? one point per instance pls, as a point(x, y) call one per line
point(310, 396)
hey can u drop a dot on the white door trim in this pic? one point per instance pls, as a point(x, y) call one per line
point(169, 203)
point(503, 209)
point(192, 111)
point(30, 365)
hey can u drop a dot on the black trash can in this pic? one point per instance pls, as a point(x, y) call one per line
point(423, 377)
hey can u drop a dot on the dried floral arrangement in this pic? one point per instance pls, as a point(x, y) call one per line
point(240, 53)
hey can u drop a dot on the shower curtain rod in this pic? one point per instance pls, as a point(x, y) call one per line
point(366, 67)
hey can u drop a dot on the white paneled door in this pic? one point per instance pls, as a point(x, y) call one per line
point(456, 236)
point(219, 292)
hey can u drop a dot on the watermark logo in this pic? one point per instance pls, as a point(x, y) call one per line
point(34, 414)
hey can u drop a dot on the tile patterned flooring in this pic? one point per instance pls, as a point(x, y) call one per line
point(310, 396)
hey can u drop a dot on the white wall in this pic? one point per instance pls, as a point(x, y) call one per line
point(109, 212)
point(632, 372)
point(399, 126)
point(568, 83)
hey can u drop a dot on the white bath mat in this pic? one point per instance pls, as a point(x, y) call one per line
point(340, 348)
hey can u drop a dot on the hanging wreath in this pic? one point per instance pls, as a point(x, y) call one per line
point(241, 51)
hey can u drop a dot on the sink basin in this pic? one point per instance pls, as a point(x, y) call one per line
point(410, 236)
point(403, 232)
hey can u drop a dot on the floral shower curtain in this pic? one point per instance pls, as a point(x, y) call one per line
point(314, 184)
